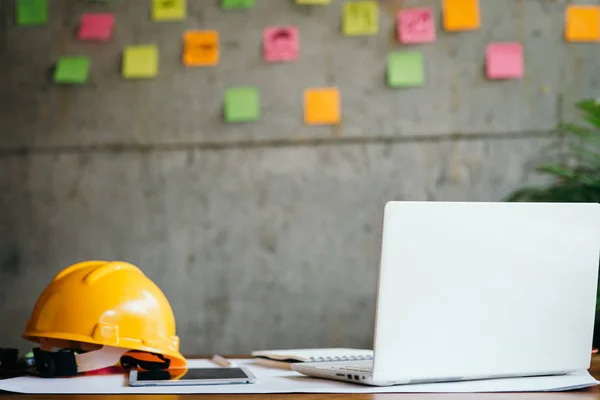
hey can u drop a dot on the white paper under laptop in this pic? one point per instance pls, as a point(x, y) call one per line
point(481, 290)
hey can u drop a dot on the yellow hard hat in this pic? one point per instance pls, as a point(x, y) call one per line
point(107, 304)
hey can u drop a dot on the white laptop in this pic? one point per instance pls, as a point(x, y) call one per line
point(472, 290)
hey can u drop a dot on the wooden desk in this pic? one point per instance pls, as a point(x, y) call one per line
point(585, 394)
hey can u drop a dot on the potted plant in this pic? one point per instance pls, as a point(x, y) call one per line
point(575, 170)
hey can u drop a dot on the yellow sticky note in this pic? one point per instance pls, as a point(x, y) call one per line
point(313, 2)
point(140, 61)
point(361, 18)
point(322, 106)
point(582, 23)
point(461, 15)
point(169, 10)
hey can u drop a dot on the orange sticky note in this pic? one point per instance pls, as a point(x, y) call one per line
point(582, 23)
point(322, 106)
point(201, 48)
point(461, 15)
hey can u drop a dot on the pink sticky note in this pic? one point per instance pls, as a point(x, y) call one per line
point(96, 26)
point(416, 25)
point(504, 60)
point(281, 43)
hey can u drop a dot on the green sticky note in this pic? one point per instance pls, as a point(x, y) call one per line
point(140, 61)
point(242, 104)
point(32, 12)
point(169, 10)
point(361, 18)
point(72, 70)
point(405, 69)
point(237, 4)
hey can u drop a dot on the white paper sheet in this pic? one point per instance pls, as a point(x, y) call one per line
point(272, 380)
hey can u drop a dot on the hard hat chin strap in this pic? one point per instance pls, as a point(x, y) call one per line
point(69, 363)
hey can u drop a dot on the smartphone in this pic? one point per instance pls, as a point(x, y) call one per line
point(191, 376)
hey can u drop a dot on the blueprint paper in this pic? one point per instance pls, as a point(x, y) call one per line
point(271, 380)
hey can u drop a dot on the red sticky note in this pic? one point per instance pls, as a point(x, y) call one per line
point(281, 44)
point(97, 26)
point(504, 60)
point(416, 25)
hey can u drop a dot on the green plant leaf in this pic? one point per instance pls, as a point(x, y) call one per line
point(591, 109)
point(568, 193)
point(593, 120)
point(588, 154)
point(589, 106)
point(557, 170)
point(579, 130)
point(573, 160)
point(591, 182)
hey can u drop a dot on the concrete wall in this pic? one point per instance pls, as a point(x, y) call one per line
point(262, 234)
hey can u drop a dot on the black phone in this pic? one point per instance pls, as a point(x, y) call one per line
point(191, 376)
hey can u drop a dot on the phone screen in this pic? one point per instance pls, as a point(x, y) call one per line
point(192, 374)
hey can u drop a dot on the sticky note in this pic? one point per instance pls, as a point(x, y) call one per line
point(281, 43)
point(237, 4)
point(504, 60)
point(97, 26)
point(242, 104)
point(201, 48)
point(416, 25)
point(72, 70)
point(313, 2)
point(360, 18)
point(405, 69)
point(169, 10)
point(322, 106)
point(31, 12)
point(461, 15)
point(582, 23)
point(140, 61)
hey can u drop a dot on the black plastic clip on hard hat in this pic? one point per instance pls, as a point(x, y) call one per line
point(50, 364)
point(130, 362)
